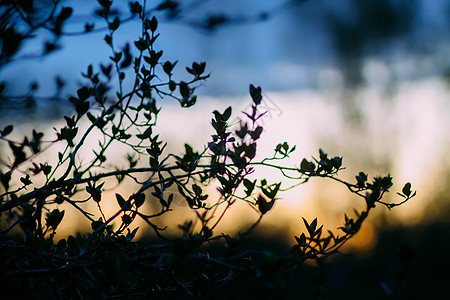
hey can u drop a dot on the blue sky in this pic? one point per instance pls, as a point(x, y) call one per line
point(286, 52)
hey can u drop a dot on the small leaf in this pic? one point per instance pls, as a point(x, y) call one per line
point(185, 91)
point(292, 149)
point(135, 8)
point(311, 227)
point(257, 132)
point(83, 93)
point(172, 86)
point(126, 219)
point(116, 58)
point(120, 200)
point(139, 199)
point(5, 178)
point(146, 134)
point(318, 232)
point(54, 218)
point(326, 242)
point(168, 67)
point(153, 24)
point(96, 224)
point(198, 68)
point(227, 113)
point(106, 70)
point(306, 165)
point(263, 205)
point(90, 117)
point(7, 130)
point(197, 189)
point(66, 12)
point(26, 180)
point(115, 24)
point(314, 224)
point(130, 235)
point(169, 200)
point(250, 151)
point(88, 27)
point(407, 189)
point(249, 185)
point(301, 240)
point(108, 39)
point(46, 168)
point(336, 162)
point(255, 93)
point(70, 121)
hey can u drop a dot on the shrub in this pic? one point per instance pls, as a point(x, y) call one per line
point(106, 262)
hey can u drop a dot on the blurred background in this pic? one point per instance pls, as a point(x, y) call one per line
point(366, 80)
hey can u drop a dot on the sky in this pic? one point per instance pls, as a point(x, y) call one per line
point(395, 119)
point(293, 49)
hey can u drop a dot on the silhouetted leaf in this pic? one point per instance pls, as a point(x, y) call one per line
point(108, 39)
point(135, 7)
point(139, 199)
point(65, 13)
point(250, 151)
point(407, 189)
point(249, 185)
point(5, 178)
point(83, 93)
point(114, 24)
point(301, 240)
point(185, 91)
point(336, 162)
point(96, 224)
point(120, 200)
point(130, 235)
point(19, 154)
point(255, 93)
point(226, 114)
point(46, 169)
point(7, 130)
point(361, 180)
point(106, 70)
point(126, 219)
point(70, 121)
point(153, 24)
point(168, 67)
point(146, 134)
point(307, 166)
point(263, 205)
point(311, 228)
point(257, 132)
point(54, 218)
point(88, 27)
